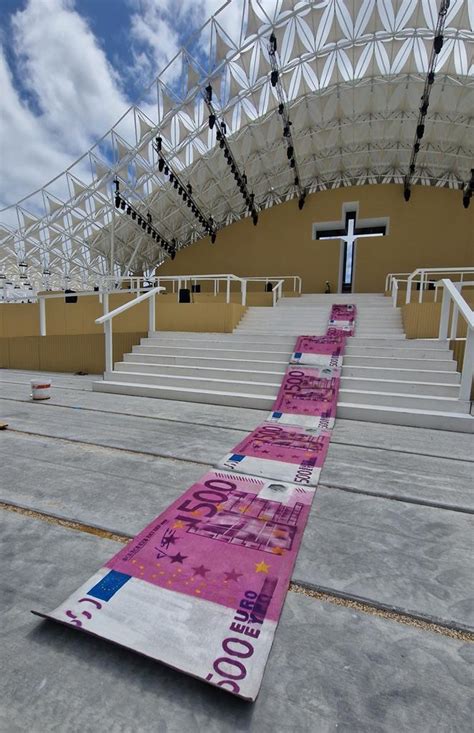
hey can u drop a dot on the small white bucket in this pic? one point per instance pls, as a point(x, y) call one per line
point(41, 389)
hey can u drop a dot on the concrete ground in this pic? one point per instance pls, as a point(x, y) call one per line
point(376, 633)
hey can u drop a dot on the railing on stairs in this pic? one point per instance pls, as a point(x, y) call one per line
point(108, 317)
point(422, 277)
point(453, 305)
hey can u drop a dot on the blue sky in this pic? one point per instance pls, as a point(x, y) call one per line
point(68, 71)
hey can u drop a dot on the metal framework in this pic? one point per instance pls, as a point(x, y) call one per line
point(352, 75)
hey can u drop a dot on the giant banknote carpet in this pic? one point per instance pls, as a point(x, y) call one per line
point(201, 588)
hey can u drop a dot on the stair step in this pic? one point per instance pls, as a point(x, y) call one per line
point(273, 376)
point(399, 353)
point(411, 401)
point(211, 397)
point(396, 374)
point(285, 346)
point(452, 421)
point(437, 389)
point(192, 382)
point(441, 364)
point(218, 353)
point(205, 361)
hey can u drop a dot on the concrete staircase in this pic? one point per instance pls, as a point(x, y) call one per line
point(385, 378)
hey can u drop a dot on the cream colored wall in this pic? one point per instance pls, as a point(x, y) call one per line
point(431, 230)
point(74, 319)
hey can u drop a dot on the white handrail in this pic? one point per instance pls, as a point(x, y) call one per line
point(277, 292)
point(107, 319)
point(452, 295)
point(393, 279)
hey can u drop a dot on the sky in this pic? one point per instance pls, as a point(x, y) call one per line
point(70, 68)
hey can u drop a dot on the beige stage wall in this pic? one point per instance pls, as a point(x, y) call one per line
point(431, 230)
point(22, 319)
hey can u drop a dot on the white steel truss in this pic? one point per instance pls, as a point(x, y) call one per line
point(353, 73)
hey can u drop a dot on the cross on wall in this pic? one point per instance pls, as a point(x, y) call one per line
point(348, 231)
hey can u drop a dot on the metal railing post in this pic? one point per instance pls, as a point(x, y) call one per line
point(422, 283)
point(444, 319)
point(408, 293)
point(108, 346)
point(227, 297)
point(467, 367)
point(243, 288)
point(394, 292)
point(42, 315)
point(151, 314)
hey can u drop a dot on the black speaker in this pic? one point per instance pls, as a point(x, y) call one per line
point(195, 288)
point(268, 287)
point(70, 299)
point(184, 295)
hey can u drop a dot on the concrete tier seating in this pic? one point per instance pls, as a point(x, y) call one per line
point(386, 378)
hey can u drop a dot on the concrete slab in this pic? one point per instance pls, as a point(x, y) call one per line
point(238, 418)
point(415, 558)
point(395, 474)
point(421, 441)
point(187, 441)
point(390, 552)
point(330, 669)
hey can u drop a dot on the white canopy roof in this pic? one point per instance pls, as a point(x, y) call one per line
point(353, 73)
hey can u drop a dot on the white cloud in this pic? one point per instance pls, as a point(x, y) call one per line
point(77, 96)
point(29, 154)
point(77, 90)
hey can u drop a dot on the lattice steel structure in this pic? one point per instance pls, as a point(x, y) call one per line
point(353, 73)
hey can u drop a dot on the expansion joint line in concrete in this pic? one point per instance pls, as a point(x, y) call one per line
point(449, 629)
point(77, 441)
point(398, 497)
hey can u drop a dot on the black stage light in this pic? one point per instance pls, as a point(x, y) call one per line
point(129, 211)
point(185, 196)
point(406, 193)
point(161, 165)
point(167, 170)
point(274, 77)
point(117, 202)
point(148, 229)
point(188, 203)
point(159, 141)
point(292, 163)
point(416, 147)
point(212, 121)
point(281, 108)
point(289, 152)
point(273, 43)
point(255, 218)
point(143, 224)
point(424, 107)
point(412, 168)
point(149, 217)
point(221, 144)
point(244, 178)
point(438, 43)
point(286, 131)
point(171, 178)
point(223, 127)
point(139, 221)
point(134, 215)
point(208, 91)
point(301, 202)
point(466, 200)
point(175, 184)
point(180, 190)
point(431, 77)
point(297, 180)
point(122, 205)
point(189, 189)
point(420, 131)
point(213, 237)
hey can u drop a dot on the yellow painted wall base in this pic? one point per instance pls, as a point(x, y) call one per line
point(202, 317)
point(78, 353)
